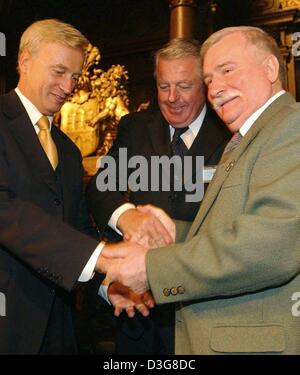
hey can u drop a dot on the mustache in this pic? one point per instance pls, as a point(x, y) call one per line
point(223, 98)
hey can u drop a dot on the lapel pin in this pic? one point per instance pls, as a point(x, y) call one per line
point(229, 166)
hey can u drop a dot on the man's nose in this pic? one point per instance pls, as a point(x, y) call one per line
point(216, 87)
point(173, 94)
point(67, 85)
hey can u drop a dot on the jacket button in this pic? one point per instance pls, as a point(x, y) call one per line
point(174, 291)
point(181, 289)
point(166, 292)
point(57, 202)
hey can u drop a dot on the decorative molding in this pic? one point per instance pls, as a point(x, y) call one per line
point(275, 6)
point(289, 4)
point(281, 18)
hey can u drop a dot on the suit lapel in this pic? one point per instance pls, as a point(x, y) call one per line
point(66, 160)
point(210, 137)
point(229, 160)
point(159, 132)
point(210, 140)
point(26, 137)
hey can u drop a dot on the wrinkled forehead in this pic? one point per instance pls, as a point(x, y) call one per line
point(227, 44)
point(234, 47)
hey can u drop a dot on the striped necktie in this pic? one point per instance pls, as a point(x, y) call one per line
point(234, 141)
point(178, 145)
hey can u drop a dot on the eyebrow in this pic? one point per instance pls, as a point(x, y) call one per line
point(61, 66)
point(219, 67)
point(177, 82)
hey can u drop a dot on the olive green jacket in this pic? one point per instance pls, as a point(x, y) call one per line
point(236, 272)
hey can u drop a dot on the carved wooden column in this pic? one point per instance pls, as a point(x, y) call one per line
point(182, 18)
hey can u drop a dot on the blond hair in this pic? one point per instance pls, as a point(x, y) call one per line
point(256, 37)
point(179, 48)
point(50, 31)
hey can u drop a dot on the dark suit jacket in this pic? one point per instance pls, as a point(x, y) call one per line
point(41, 252)
point(147, 133)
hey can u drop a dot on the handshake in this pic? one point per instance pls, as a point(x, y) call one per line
point(124, 263)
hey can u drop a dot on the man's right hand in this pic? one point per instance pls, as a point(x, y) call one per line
point(125, 262)
point(147, 229)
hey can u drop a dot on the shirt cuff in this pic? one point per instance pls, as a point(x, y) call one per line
point(89, 270)
point(103, 290)
point(117, 213)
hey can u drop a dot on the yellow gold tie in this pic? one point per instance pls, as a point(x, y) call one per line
point(47, 141)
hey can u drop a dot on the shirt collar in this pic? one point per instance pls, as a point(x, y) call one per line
point(33, 113)
point(250, 121)
point(195, 126)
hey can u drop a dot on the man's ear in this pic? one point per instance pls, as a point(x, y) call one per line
point(271, 66)
point(24, 61)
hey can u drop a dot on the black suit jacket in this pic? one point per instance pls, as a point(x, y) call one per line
point(147, 133)
point(42, 252)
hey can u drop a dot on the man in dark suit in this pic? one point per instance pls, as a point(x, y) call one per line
point(181, 101)
point(44, 251)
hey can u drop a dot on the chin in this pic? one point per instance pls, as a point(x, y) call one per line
point(233, 128)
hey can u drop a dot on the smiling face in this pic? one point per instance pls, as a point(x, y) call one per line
point(239, 78)
point(49, 76)
point(180, 90)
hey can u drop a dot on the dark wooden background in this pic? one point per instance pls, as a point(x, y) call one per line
point(126, 32)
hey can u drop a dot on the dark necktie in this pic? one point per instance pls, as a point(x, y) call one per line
point(178, 145)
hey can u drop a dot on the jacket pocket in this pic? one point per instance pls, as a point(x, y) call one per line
point(248, 338)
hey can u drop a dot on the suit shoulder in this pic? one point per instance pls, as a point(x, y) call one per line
point(295, 106)
point(134, 119)
point(10, 105)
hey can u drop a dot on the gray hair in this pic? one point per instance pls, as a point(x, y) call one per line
point(179, 48)
point(256, 37)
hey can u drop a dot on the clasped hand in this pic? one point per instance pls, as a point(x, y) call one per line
point(129, 289)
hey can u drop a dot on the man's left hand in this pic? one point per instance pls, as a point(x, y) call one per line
point(124, 298)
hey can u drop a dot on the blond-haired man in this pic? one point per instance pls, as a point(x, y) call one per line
point(43, 250)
